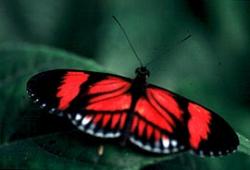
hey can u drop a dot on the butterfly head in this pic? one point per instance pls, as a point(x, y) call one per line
point(142, 72)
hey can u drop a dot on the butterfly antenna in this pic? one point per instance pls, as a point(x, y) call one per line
point(174, 46)
point(129, 42)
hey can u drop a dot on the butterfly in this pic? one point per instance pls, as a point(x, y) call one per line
point(150, 117)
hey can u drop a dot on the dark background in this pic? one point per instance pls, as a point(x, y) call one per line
point(212, 67)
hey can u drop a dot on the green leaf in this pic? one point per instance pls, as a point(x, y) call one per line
point(244, 144)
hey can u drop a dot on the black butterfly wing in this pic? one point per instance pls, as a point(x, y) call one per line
point(94, 102)
point(165, 122)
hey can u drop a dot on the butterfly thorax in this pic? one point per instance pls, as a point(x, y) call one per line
point(142, 72)
point(140, 82)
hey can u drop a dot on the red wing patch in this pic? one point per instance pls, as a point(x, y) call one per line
point(108, 102)
point(153, 126)
point(198, 124)
point(147, 111)
point(70, 88)
point(164, 101)
point(109, 94)
point(121, 102)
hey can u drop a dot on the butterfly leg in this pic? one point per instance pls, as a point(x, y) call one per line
point(100, 150)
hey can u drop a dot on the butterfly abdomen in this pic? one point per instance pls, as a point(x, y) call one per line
point(138, 90)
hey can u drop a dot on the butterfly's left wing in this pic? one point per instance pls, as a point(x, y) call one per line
point(165, 122)
point(96, 103)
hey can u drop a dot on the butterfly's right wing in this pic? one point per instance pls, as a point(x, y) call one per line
point(165, 122)
point(96, 103)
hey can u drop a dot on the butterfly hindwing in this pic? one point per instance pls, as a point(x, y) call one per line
point(94, 102)
point(158, 124)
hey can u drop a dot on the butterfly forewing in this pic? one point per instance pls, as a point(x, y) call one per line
point(209, 133)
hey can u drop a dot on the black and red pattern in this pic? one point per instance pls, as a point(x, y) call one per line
point(153, 118)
